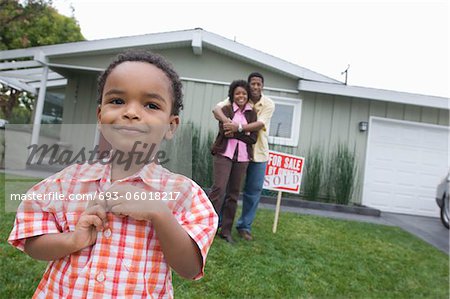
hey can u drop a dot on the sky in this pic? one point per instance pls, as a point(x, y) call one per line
point(395, 45)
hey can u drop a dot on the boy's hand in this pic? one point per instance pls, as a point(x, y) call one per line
point(137, 207)
point(91, 221)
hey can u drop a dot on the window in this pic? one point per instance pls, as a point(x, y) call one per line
point(285, 122)
point(52, 113)
point(53, 108)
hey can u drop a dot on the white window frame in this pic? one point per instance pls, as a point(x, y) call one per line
point(296, 119)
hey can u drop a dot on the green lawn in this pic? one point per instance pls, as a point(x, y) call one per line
point(308, 257)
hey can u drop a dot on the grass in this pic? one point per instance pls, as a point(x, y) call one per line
point(322, 258)
point(309, 257)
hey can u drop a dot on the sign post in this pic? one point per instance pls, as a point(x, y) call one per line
point(277, 212)
point(283, 174)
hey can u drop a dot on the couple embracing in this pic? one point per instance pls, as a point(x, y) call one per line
point(241, 148)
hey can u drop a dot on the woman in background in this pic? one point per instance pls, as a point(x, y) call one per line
point(231, 156)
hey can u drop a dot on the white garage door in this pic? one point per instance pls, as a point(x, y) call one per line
point(404, 163)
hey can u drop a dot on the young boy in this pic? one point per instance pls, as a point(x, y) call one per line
point(126, 245)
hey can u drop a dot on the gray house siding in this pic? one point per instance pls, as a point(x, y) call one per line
point(80, 107)
point(210, 65)
point(199, 100)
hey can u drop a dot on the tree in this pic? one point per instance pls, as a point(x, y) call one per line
point(29, 24)
point(34, 23)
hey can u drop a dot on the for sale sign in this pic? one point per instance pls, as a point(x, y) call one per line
point(283, 172)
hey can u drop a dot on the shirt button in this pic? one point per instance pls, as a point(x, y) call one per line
point(100, 277)
point(107, 233)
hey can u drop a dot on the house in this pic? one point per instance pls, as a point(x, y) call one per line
point(400, 139)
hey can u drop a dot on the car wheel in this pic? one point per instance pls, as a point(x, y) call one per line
point(444, 211)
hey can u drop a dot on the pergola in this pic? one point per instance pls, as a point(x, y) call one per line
point(26, 76)
point(32, 76)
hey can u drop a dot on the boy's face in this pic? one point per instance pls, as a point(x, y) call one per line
point(136, 106)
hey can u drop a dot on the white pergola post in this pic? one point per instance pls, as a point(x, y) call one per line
point(39, 106)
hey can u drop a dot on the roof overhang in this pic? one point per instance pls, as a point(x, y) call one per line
point(262, 59)
point(103, 45)
point(375, 94)
point(26, 75)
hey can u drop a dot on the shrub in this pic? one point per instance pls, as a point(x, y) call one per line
point(201, 157)
point(342, 174)
point(314, 165)
point(20, 115)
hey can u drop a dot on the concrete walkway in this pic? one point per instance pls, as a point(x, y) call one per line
point(428, 229)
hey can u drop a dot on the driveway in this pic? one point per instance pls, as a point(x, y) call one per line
point(428, 229)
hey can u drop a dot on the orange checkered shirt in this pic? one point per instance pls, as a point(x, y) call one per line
point(126, 260)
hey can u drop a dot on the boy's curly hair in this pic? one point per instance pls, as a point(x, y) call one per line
point(154, 59)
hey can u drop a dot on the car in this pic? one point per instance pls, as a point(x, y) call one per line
point(3, 123)
point(442, 198)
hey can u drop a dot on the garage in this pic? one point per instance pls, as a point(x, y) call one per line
point(404, 163)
